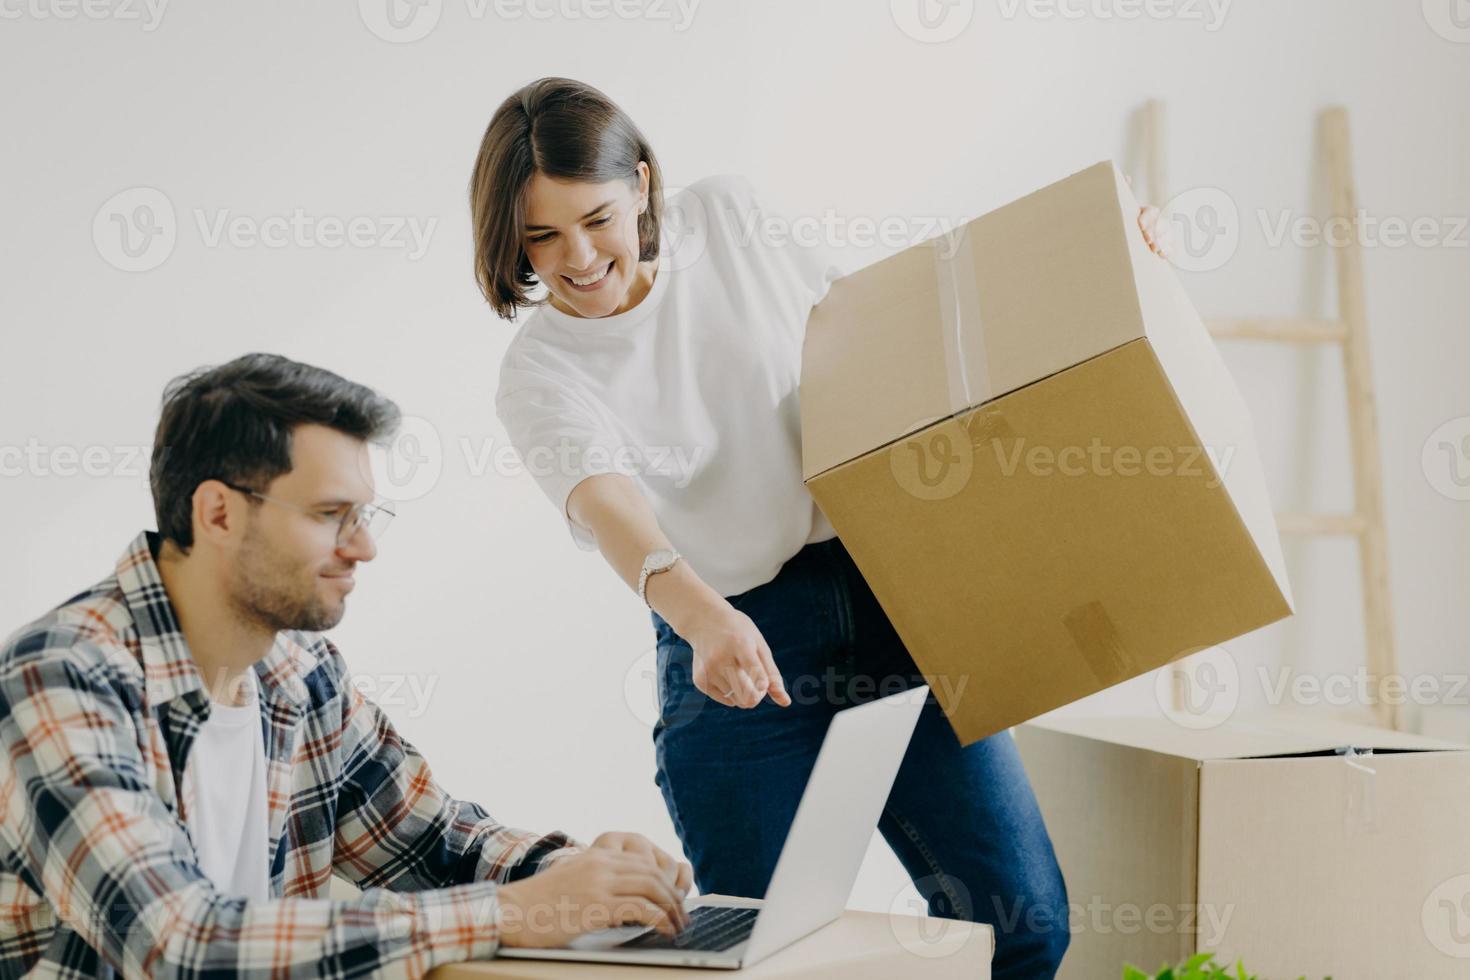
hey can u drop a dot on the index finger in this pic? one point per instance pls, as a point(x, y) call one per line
point(654, 888)
point(777, 686)
point(678, 872)
point(685, 880)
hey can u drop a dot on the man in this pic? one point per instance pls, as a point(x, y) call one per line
point(187, 762)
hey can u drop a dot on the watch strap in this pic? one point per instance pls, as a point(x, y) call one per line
point(646, 573)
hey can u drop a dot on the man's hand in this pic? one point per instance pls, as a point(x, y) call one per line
point(732, 663)
point(623, 879)
point(678, 873)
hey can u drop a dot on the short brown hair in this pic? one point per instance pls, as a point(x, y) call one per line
point(234, 423)
point(564, 129)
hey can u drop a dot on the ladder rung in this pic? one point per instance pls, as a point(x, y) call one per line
point(1291, 330)
point(1321, 523)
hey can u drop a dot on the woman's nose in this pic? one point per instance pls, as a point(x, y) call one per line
point(581, 253)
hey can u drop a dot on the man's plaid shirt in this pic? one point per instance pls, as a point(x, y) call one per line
point(99, 704)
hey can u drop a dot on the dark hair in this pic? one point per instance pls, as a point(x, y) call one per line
point(234, 423)
point(564, 129)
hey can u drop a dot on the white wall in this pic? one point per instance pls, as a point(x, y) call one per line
point(536, 650)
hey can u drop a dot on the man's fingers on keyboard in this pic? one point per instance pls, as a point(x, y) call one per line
point(668, 865)
point(653, 888)
point(633, 910)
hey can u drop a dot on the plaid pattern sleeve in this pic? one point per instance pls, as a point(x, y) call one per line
point(397, 829)
point(99, 704)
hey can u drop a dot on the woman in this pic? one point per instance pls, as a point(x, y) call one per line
point(657, 406)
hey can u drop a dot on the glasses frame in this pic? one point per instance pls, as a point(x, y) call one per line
point(357, 517)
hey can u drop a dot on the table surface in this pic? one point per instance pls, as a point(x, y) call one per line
point(857, 946)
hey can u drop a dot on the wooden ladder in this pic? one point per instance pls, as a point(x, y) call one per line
point(1350, 331)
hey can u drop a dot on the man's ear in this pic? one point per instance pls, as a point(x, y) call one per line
point(217, 511)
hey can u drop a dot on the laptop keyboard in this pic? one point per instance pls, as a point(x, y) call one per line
point(711, 929)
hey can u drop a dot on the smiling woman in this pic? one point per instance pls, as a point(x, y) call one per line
point(571, 201)
point(593, 263)
point(642, 343)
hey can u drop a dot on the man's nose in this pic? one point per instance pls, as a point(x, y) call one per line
point(359, 547)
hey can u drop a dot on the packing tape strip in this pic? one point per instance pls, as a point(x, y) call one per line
point(966, 365)
point(1097, 639)
point(1360, 815)
point(989, 429)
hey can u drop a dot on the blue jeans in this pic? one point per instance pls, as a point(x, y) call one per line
point(963, 821)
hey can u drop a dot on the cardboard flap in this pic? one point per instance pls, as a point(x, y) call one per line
point(1216, 410)
point(1012, 297)
point(1275, 734)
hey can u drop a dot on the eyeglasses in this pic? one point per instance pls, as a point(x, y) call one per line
point(375, 516)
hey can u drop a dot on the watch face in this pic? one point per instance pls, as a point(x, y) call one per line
point(660, 559)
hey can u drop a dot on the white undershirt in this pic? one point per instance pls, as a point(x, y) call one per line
point(692, 393)
point(228, 819)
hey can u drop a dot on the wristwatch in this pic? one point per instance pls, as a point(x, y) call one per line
point(660, 560)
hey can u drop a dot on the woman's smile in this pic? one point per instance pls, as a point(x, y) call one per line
point(592, 281)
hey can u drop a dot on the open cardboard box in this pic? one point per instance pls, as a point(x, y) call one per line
point(1026, 439)
point(1261, 839)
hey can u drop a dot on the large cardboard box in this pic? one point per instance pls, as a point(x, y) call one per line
point(1260, 839)
point(1028, 442)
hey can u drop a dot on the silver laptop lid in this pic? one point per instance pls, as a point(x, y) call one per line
point(829, 836)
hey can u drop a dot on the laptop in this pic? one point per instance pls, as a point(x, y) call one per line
point(814, 874)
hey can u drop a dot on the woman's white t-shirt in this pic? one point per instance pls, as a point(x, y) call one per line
point(228, 820)
point(692, 393)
